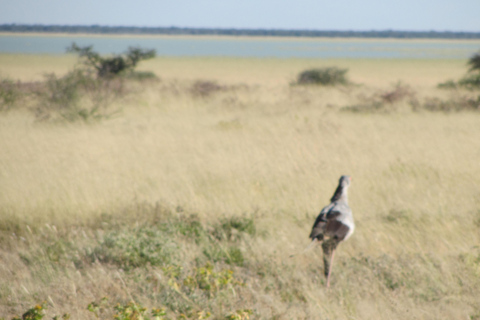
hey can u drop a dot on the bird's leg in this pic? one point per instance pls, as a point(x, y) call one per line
point(330, 269)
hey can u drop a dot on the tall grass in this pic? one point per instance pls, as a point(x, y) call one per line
point(195, 204)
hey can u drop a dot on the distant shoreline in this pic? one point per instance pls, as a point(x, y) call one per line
point(260, 33)
point(259, 38)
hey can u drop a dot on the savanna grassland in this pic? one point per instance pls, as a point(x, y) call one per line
point(192, 191)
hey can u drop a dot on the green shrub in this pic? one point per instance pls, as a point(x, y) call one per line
point(470, 81)
point(449, 84)
point(330, 76)
point(136, 248)
point(35, 313)
point(229, 255)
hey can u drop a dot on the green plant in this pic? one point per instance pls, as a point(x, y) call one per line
point(139, 247)
point(234, 228)
point(111, 66)
point(35, 313)
point(99, 307)
point(470, 81)
point(207, 279)
point(242, 314)
point(474, 62)
point(330, 76)
point(130, 311)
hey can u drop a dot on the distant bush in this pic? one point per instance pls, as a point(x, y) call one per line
point(234, 228)
point(474, 62)
point(111, 66)
point(452, 105)
point(470, 82)
point(9, 94)
point(141, 75)
point(205, 88)
point(76, 96)
point(136, 248)
point(330, 76)
point(385, 101)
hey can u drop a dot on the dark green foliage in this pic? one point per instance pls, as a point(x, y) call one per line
point(330, 76)
point(449, 84)
point(470, 81)
point(111, 66)
point(474, 62)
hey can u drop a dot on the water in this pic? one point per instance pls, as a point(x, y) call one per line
point(248, 47)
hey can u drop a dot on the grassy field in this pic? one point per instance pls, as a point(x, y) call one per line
point(193, 200)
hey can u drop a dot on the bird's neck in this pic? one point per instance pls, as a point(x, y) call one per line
point(341, 194)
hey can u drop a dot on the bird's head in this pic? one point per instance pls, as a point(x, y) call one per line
point(345, 181)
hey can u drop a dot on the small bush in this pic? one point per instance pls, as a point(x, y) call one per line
point(9, 94)
point(474, 62)
point(234, 228)
point(76, 96)
point(230, 255)
point(139, 247)
point(452, 105)
point(449, 84)
point(398, 93)
point(205, 88)
point(324, 76)
point(35, 313)
point(385, 101)
point(210, 281)
point(470, 81)
point(141, 76)
point(111, 66)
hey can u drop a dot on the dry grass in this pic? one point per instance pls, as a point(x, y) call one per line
point(263, 150)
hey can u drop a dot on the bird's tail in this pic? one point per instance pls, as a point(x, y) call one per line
point(328, 247)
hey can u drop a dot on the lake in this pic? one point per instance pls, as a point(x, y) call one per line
point(247, 46)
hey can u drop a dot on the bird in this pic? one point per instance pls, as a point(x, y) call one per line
point(334, 224)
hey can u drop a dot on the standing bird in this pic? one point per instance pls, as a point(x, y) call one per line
point(334, 224)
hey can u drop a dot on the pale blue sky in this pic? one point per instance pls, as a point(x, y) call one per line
point(410, 15)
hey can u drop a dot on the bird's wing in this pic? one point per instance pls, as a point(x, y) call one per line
point(335, 225)
point(319, 224)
